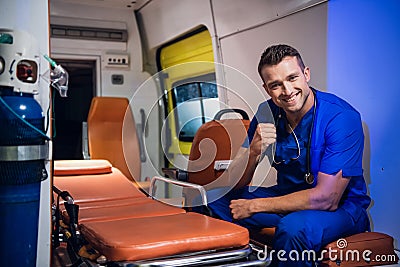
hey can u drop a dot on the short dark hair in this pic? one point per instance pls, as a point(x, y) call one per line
point(274, 54)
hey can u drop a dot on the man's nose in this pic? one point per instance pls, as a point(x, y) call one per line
point(287, 88)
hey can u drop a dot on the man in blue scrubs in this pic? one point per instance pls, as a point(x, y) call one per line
point(320, 195)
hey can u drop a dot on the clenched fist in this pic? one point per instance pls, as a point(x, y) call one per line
point(264, 136)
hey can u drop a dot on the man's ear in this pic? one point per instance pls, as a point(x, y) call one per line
point(307, 73)
point(266, 89)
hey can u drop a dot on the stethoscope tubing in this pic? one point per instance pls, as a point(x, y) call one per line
point(308, 177)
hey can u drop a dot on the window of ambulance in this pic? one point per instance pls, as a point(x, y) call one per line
point(196, 103)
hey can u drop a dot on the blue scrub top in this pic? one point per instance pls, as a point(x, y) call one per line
point(337, 143)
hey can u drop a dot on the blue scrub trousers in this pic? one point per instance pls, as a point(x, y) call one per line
point(300, 230)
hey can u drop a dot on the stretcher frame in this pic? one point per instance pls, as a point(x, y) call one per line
point(242, 256)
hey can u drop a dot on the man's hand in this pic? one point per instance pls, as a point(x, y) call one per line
point(264, 136)
point(241, 208)
point(326, 195)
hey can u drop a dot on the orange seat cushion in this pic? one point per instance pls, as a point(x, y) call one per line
point(148, 238)
point(377, 243)
point(379, 247)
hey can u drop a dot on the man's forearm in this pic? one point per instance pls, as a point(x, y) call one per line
point(283, 204)
point(243, 167)
point(243, 208)
point(325, 196)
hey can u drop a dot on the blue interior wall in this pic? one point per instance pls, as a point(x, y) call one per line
point(363, 64)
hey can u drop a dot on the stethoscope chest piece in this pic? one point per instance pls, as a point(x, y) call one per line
point(309, 177)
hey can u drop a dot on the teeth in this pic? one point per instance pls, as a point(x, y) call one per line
point(291, 99)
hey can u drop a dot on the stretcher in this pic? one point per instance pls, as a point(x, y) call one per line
point(106, 219)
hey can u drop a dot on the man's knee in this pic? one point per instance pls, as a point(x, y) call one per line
point(290, 230)
point(295, 231)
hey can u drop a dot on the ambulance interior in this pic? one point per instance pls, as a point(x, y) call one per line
point(143, 105)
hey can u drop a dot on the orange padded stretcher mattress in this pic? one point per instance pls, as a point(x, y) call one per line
point(154, 237)
point(122, 223)
point(104, 193)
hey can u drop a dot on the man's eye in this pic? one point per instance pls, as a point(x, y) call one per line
point(274, 86)
point(292, 78)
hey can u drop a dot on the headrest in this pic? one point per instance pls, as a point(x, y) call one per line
point(82, 167)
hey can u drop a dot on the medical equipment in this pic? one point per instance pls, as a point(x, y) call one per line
point(23, 148)
point(58, 77)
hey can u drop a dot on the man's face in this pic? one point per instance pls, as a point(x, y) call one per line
point(287, 84)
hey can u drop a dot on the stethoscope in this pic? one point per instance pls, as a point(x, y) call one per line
point(308, 177)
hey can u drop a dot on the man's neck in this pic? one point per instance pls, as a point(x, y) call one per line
point(295, 117)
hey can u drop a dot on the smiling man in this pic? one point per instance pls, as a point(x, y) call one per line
point(320, 195)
